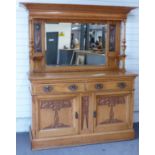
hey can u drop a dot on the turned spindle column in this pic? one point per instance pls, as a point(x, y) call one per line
point(123, 45)
point(31, 44)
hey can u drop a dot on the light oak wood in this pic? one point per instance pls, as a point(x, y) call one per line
point(44, 13)
point(86, 113)
point(81, 87)
point(121, 112)
point(78, 76)
point(67, 125)
point(74, 105)
point(58, 88)
point(85, 104)
point(74, 13)
point(111, 85)
point(82, 139)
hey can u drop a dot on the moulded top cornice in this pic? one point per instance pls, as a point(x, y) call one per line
point(76, 11)
point(78, 7)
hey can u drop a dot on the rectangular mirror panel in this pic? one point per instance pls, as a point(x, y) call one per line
point(72, 44)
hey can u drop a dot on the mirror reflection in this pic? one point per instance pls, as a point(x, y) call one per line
point(75, 44)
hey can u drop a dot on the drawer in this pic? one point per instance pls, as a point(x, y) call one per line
point(57, 88)
point(109, 85)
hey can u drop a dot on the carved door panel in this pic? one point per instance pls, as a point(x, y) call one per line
point(57, 115)
point(112, 111)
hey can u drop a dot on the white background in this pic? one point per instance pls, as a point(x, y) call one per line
point(147, 75)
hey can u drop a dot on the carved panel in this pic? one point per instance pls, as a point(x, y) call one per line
point(112, 37)
point(85, 111)
point(37, 37)
point(111, 101)
point(56, 105)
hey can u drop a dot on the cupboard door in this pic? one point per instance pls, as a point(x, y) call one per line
point(113, 111)
point(57, 115)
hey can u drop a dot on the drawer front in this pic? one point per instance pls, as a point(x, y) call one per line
point(58, 88)
point(109, 85)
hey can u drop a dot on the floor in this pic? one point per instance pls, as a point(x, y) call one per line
point(115, 148)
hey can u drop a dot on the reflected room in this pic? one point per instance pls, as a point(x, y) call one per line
point(73, 44)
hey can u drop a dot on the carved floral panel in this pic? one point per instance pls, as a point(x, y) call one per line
point(111, 102)
point(56, 106)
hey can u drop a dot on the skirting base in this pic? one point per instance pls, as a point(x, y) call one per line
point(45, 143)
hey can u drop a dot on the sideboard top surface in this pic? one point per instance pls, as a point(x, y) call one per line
point(80, 75)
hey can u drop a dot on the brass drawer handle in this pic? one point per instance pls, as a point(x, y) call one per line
point(47, 89)
point(99, 86)
point(73, 87)
point(121, 85)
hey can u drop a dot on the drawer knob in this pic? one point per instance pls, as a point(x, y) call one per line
point(94, 114)
point(99, 86)
point(73, 87)
point(121, 85)
point(76, 115)
point(47, 89)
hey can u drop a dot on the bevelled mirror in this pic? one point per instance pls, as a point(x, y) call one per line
point(73, 44)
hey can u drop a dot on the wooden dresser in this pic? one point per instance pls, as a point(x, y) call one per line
point(79, 104)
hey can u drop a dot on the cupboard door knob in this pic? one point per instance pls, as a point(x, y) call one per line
point(121, 85)
point(73, 87)
point(76, 115)
point(94, 114)
point(47, 89)
point(99, 86)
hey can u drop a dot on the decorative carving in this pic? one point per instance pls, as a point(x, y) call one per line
point(37, 37)
point(31, 45)
point(85, 111)
point(56, 105)
point(111, 101)
point(112, 37)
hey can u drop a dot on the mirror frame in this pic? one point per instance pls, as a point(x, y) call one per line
point(46, 13)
